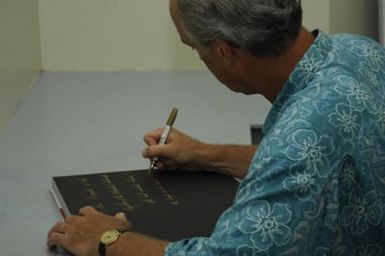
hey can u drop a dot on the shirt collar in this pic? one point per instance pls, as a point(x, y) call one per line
point(314, 59)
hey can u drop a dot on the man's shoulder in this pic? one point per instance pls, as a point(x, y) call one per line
point(351, 39)
point(354, 50)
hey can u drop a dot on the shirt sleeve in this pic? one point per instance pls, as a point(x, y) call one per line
point(287, 204)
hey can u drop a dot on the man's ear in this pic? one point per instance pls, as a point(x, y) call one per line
point(224, 51)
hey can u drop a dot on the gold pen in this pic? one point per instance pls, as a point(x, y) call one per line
point(164, 136)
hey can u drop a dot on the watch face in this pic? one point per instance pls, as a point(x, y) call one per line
point(109, 236)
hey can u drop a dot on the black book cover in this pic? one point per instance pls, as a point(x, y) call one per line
point(167, 205)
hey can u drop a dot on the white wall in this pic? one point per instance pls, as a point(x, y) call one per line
point(20, 61)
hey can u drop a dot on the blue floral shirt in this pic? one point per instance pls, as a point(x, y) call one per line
point(316, 185)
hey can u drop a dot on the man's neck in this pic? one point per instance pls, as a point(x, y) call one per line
point(269, 75)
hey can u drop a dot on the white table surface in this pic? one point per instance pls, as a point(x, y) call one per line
point(72, 123)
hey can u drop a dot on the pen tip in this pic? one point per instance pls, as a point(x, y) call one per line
point(152, 166)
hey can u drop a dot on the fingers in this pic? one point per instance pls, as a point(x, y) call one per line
point(152, 138)
point(167, 154)
point(87, 210)
point(56, 239)
point(79, 234)
point(62, 227)
point(157, 151)
point(150, 141)
point(121, 216)
point(166, 164)
point(56, 234)
point(71, 219)
point(164, 161)
point(58, 227)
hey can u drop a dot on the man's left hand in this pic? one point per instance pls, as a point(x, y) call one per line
point(81, 234)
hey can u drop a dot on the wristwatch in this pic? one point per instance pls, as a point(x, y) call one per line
point(109, 237)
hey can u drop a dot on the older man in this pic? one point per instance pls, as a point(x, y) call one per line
point(315, 185)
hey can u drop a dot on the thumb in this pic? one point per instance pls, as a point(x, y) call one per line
point(121, 216)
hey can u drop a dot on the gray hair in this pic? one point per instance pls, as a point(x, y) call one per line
point(266, 28)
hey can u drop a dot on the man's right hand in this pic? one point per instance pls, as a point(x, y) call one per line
point(180, 150)
point(185, 153)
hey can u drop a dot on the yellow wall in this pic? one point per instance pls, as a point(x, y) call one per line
point(355, 16)
point(343, 16)
point(19, 53)
point(316, 14)
point(92, 35)
point(100, 35)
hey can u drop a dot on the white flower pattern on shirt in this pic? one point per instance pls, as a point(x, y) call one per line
point(347, 121)
point(363, 210)
point(357, 95)
point(302, 182)
point(365, 49)
point(307, 146)
point(370, 250)
point(266, 225)
point(316, 185)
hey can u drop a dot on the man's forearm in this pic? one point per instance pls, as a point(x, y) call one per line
point(231, 160)
point(134, 244)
